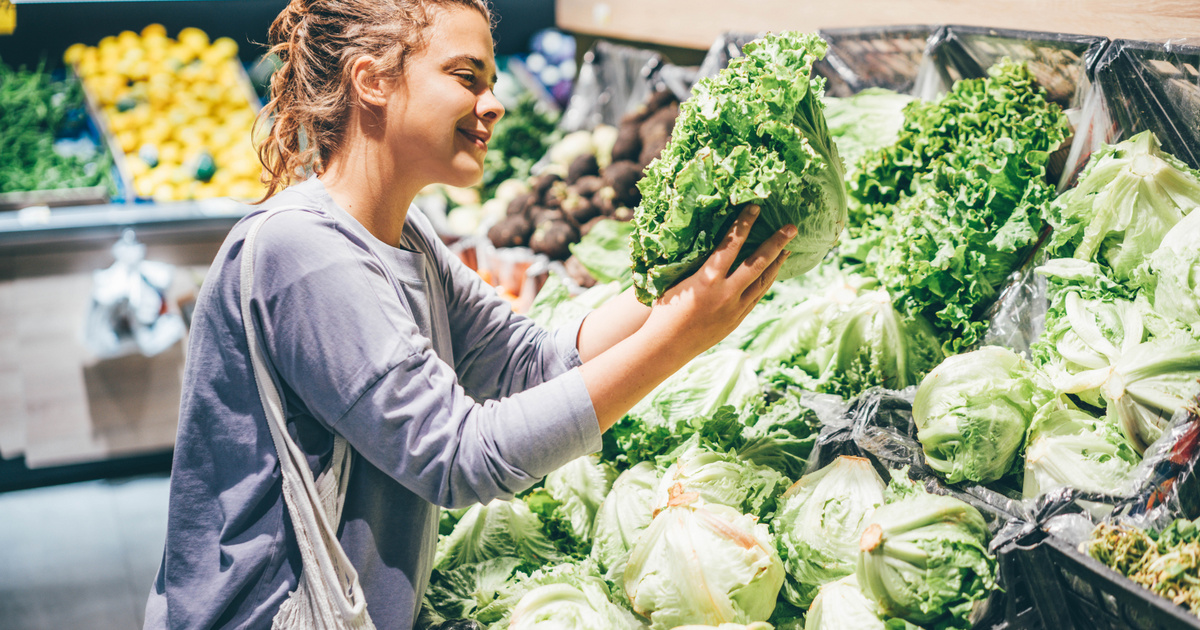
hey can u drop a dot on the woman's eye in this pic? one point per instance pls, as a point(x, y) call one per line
point(469, 77)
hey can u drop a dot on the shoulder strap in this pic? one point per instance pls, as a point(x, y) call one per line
point(314, 505)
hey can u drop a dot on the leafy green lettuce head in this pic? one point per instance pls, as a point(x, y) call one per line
point(1070, 448)
point(703, 564)
point(755, 133)
point(1144, 387)
point(584, 605)
point(926, 556)
point(580, 486)
point(819, 524)
point(706, 383)
point(972, 412)
point(869, 343)
point(870, 119)
point(625, 513)
point(722, 479)
point(1127, 198)
point(1176, 268)
point(841, 605)
point(499, 528)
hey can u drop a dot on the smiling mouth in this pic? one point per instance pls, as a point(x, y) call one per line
point(476, 139)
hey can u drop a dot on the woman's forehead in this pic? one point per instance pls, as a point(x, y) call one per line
point(461, 34)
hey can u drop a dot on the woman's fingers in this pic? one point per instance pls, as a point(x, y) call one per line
point(722, 258)
point(756, 265)
point(759, 287)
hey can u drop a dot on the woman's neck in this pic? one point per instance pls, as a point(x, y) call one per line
point(365, 181)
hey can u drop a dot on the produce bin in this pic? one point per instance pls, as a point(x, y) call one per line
point(1156, 87)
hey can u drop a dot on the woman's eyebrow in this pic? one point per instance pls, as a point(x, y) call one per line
point(474, 61)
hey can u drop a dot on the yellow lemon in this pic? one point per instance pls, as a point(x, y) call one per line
point(74, 54)
point(164, 192)
point(194, 38)
point(154, 30)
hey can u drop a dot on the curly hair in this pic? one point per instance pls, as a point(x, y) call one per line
point(316, 42)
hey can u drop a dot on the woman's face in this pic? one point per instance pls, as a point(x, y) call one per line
point(440, 117)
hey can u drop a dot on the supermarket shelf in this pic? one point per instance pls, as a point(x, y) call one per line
point(15, 475)
point(41, 225)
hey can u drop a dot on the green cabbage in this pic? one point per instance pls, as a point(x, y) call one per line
point(972, 413)
point(757, 625)
point(1176, 268)
point(819, 523)
point(924, 557)
point(1070, 448)
point(554, 305)
point(706, 383)
point(703, 564)
point(580, 487)
point(581, 606)
point(499, 528)
point(1127, 198)
point(721, 479)
point(625, 513)
point(841, 605)
point(868, 343)
point(473, 590)
point(755, 133)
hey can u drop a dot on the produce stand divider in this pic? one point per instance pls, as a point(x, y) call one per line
point(886, 57)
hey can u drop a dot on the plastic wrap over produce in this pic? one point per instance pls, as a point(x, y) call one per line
point(1060, 63)
point(1156, 87)
point(1018, 316)
point(613, 80)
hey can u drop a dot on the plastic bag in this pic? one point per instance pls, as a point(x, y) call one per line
point(129, 310)
point(612, 81)
point(1154, 86)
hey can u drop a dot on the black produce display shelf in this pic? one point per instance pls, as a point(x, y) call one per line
point(36, 226)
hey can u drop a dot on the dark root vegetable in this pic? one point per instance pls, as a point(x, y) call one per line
point(579, 209)
point(553, 239)
point(623, 213)
point(521, 204)
point(539, 215)
point(587, 185)
point(587, 227)
point(603, 200)
point(512, 231)
point(583, 165)
point(542, 184)
point(555, 195)
point(655, 133)
point(628, 145)
point(623, 178)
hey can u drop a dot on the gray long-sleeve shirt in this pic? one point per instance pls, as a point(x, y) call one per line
point(446, 397)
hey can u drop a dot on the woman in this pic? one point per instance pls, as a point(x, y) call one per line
point(374, 332)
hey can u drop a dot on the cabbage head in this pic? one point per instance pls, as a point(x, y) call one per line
point(819, 523)
point(841, 605)
point(720, 478)
point(499, 528)
point(1128, 197)
point(1070, 448)
point(926, 556)
point(624, 515)
point(869, 343)
point(1144, 387)
point(706, 383)
point(580, 487)
point(755, 133)
point(972, 413)
point(581, 606)
point(1176, 268)
point(757, 625)
point(703, 564)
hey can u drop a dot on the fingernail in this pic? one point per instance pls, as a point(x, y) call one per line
point(790, 231)
point(753, 210)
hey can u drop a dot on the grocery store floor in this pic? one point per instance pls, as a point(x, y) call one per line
point(80, 555)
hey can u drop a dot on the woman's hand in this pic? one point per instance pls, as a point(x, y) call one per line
point(692, 316)
point(704, 308)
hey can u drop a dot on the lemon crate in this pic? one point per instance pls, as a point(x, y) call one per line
point(177, 113)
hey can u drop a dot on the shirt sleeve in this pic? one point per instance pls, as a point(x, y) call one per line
point(497, 352)
point(338, 334)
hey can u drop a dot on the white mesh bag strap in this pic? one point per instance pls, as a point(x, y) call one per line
point(328, 595)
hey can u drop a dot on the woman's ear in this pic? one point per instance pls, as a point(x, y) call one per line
point(370, 86)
